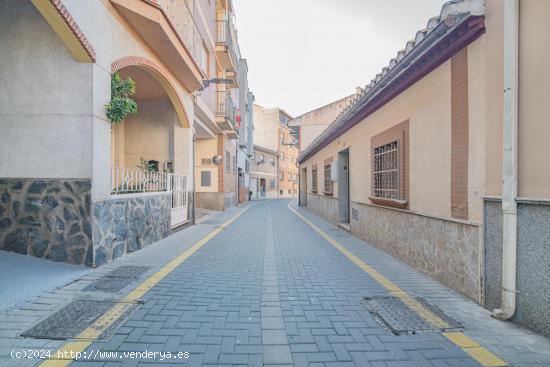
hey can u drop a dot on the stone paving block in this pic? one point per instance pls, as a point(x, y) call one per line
point(274, 337)
point(277, 354)
point(272, 322)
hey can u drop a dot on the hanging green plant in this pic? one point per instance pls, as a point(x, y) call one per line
point(121, 105)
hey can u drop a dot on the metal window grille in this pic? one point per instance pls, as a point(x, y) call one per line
point(327, 179)
point(314, 178)
point(386, 171)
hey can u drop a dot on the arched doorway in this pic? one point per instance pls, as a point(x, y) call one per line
point(151, 151)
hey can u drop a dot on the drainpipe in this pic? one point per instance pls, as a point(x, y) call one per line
point(510, 161)
point(192, 175)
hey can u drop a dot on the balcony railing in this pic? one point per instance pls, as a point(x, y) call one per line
point(224, 31)
point(225, 108)
point(182, 20)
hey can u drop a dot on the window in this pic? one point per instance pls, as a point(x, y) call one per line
point(386, 171)
point(282, 157)
point(327, 178)
point(272, 162)
point(390, 166)
point(227, 162)
point(206, 178)
point(314, 178)
point(272, 183)
point(289, 191)
point(235, 164)
point(247, 166)
point(281, 176)
point(281, 192)
point(290, 176)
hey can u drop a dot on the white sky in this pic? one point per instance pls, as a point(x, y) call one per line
point(303, 54)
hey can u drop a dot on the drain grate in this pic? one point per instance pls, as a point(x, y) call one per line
point(116, 280)
point(71, 320)
point(400, 319)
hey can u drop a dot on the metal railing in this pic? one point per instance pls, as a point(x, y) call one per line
point(181, 17)
point(224, 31)
point(225, 107)
point(129, 181)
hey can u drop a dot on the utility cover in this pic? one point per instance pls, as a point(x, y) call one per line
point(116, 280)
point(71, 320)
point(398, 318)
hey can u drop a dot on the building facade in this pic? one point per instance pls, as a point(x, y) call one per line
point(223, 117)
point(263, 174)
point(306, 127)
point(75, 186)
point(288, 167)
point(416, 165)
point(271, 132)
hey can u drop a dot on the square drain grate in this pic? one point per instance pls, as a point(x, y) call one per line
point(400, 319)
point(116, 280)
point(71, 320)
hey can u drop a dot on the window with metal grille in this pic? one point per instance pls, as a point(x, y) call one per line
point(386, 171)
point(314, 178)
point(272, 183)
point(327, 179)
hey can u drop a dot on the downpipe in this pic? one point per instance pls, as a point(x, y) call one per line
point(509, 161)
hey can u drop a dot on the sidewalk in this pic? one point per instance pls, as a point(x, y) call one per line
point(15, 321)
point(514, 344)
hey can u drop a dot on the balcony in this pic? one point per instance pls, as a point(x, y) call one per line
point(225, 49)
point(169, 29)
point(225, 113)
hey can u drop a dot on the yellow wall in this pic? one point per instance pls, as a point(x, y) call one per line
point(206, 148)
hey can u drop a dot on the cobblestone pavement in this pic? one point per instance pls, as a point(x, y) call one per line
point(269, 290)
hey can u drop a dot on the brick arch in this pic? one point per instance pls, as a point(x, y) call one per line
point(162, 76)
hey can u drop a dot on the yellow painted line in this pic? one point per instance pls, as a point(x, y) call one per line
point(475, 350)
point(119, 309)
point(480, 354)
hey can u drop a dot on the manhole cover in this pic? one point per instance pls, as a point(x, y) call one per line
point(400, 319)
point(71, 320)
point(117, 279)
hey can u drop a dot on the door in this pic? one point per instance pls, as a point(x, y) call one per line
point(178, 188)
point(343, 186)
point(262, 187)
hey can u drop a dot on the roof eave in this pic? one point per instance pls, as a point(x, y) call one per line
point(438, 46)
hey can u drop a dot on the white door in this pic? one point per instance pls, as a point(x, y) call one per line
point(178, 187)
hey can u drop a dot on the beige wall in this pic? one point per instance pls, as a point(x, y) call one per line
point(314, 122)
point(266, 127)
point(206, 148)
point(534, 96)
point(427, 107)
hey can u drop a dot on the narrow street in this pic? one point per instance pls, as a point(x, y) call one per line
point(275, 287)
